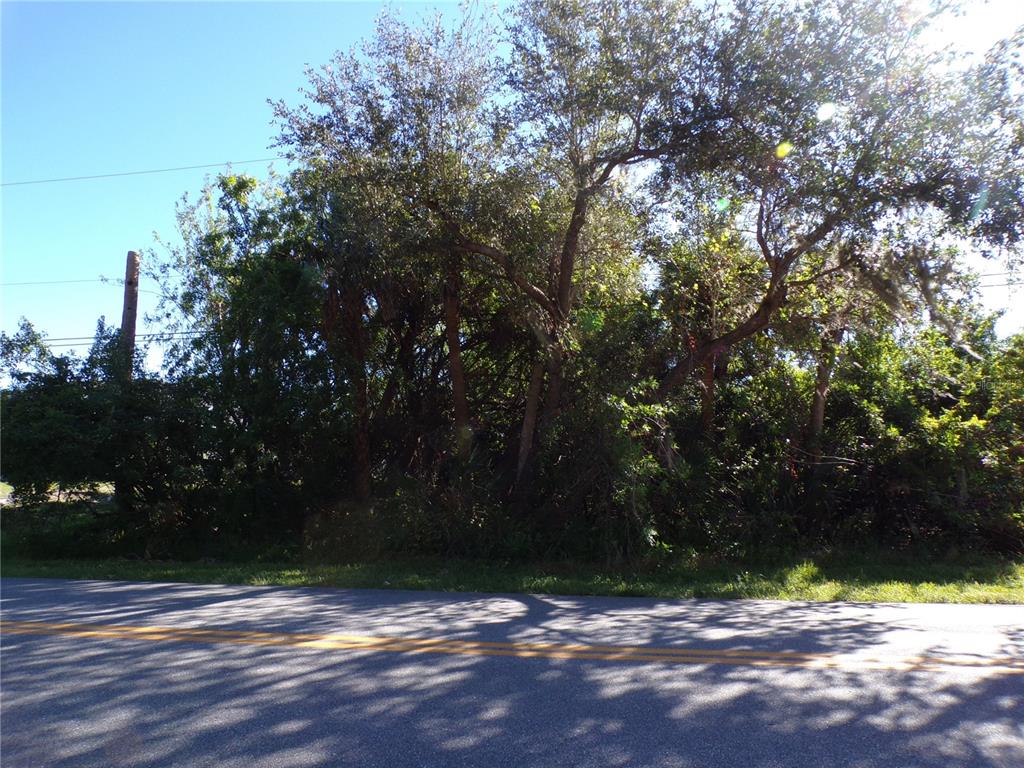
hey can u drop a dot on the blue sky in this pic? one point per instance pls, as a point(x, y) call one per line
point(95, 88)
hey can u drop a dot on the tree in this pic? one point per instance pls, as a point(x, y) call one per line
point(843, 125)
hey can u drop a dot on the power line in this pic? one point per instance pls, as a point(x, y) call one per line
point(56, 282)
point(54, 347)
point(158, 337)
point(118, 281)
point(139, 336)
point(138, 173)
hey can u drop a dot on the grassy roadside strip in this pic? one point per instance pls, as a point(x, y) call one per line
point(825, 579)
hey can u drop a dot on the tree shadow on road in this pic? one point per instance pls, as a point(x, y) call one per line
point(84, 702)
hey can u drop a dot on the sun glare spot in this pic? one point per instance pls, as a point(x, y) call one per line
point(827, 111)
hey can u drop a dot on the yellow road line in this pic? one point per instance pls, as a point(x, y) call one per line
point(1002, 665)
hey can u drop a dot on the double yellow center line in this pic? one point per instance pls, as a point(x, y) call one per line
point(333, 642)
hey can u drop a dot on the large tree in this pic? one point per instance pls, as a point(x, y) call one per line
point(819, 124)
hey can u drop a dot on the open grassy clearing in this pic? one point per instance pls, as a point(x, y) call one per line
point(860, 579)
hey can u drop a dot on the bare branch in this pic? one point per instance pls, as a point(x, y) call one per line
point(501, 259)
point(762, 241)
point(841, 265)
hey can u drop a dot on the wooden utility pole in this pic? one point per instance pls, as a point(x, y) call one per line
point(129, 312)
point(130, 309)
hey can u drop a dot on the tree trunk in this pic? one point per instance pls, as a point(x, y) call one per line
point(707, 397)
point(755, 323)
point(556, 377)
point(822, 383)
point(962, 494)
point(362, 437)
point(570, 247)
point(529, 420)
point(452, 321)
point(353, 326)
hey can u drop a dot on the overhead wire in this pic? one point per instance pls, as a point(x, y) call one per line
point(139, 173)
point(152, 338)
point(119, 281)
point(55, 282)
point(137, 336)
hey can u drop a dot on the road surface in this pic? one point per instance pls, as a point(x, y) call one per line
point(145, 675)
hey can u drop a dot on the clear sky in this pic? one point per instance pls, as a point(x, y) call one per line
point(94, 88)
point(98, 88)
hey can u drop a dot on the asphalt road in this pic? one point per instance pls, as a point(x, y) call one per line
point(121, 674)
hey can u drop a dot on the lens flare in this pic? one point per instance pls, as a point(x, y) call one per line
point(827, 111)
point(722, 204)
point(783, 149)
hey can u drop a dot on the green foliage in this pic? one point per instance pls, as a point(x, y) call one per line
point(911, 420)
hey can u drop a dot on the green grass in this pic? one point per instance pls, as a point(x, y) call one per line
point(879, 578)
